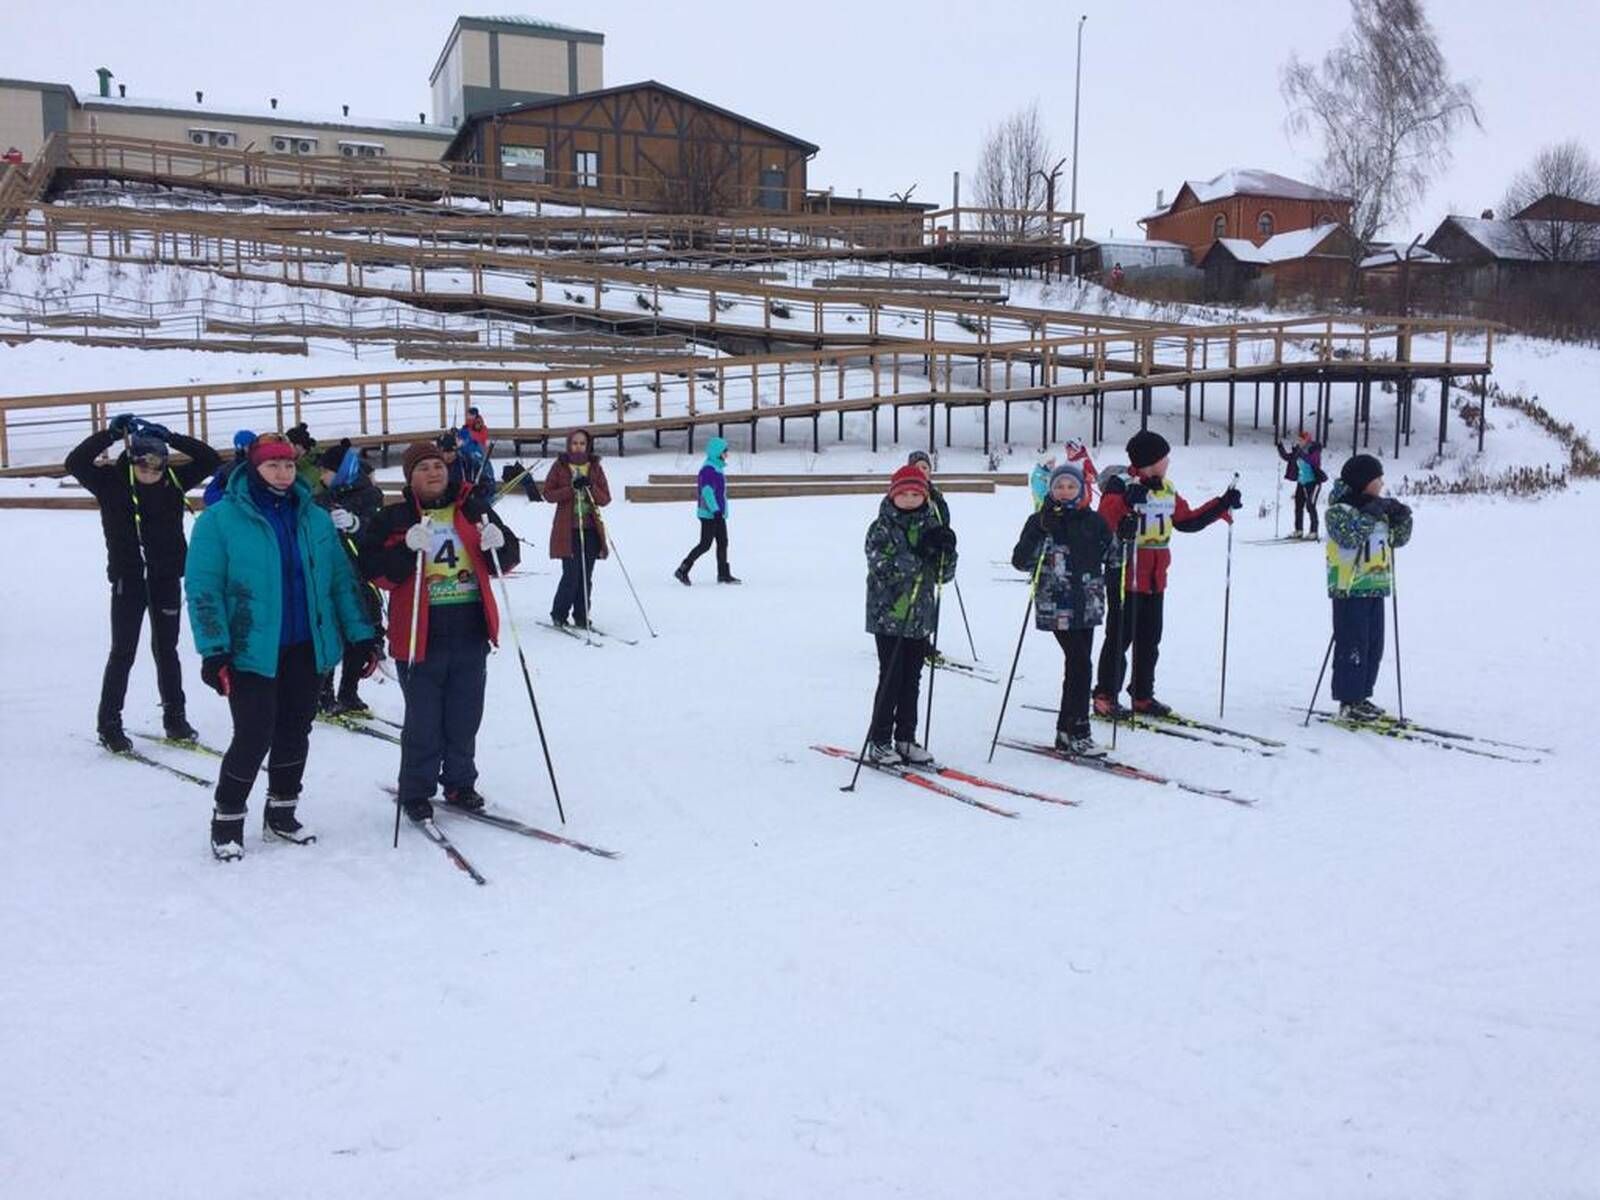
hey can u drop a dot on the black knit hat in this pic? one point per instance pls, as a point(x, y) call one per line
point(1146, 448)
point(1360, 470)
point(332, 458)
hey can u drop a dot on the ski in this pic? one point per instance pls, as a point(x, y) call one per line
point(178, 744)
point(437, 837)
point(1170, 731)
point(1280, 541)
point(512, 825)
point(572, 632)
point(1402, 733)
point(960, 776)
point(615, 637)
point(351, 725)
point(368, 715)
point(1184, 722)
point(146, 760)
point(918, 780)
point(1449, 734)
point(945, 663)
point(1123, 770)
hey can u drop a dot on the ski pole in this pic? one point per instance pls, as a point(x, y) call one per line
point(1227, 604)
point(1325, 660)
point(1022, 633)
point(1122, 600)
point(877, 696)
point(1277, 501)
point(411, 657)
point(1394, 599)
point(971, 645)
point(583, 578)
point(628, 579)
point(1130, 596)
point(527, 679)
point(933, 656)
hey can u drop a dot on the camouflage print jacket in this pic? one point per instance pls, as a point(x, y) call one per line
point(901, 582)
point(1078, 549)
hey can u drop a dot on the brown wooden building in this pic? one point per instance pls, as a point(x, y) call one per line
point(1244, 204)
point(644, 142)
point(1304, 262)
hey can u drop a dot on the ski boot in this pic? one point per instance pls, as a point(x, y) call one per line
point(467, 798)
point(682, 574)
point(327, 702)
point(1078, 743)
point(279, 822)
point(1107, 706)
point(882, 754)
point(113, 738)
point(1151, 707)
point(418, 811)
point(175, 724)
point(1361, 712)
point(728, 577)
point(227, 835)
point(914, 755)
point(349, 703)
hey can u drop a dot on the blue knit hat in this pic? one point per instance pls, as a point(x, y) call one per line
point(1070, 470)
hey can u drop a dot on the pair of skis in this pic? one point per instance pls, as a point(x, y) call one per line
point(1122, 770)
point(575, 631)
point(944, 662)
point(1190, 730)
point(1431, 735)
point(498, 820)
point(931, 778)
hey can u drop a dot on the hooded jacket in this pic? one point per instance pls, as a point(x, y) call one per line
point(901, 581)
point(1362, 534)
point(1077, 548)
point(711, 485)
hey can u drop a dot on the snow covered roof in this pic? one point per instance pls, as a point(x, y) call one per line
point(1249, 181)
point(1140, 243)
point(1393, 255)
point(200, 112)
point(1506, 240)
point(1285, 247)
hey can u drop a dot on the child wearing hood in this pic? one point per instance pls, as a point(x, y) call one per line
point(711, 489)
point(910, 552)
point(1039, 479)
point(1068, 548)
point(577, 486)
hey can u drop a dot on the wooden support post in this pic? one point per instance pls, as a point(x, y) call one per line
point(1444, 409)
point(444, 417)
point(874, 428)
point(1255, 422)
point(383, 407)
point(1363, 392)
point(297, 417)
point(362, 393)
point(1355, 426)
point(1302, 424)
point(1186, 413)
point(1230, 411)
point(986, 427)
point(1483, 417)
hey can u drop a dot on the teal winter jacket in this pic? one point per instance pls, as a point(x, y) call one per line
point(234, 583)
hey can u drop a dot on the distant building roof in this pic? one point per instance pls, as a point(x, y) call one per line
point(1249, 181)
point(1509, 241)
point(1390, 256)
point(1285, 247)
point(285, 116)
point(549, 102)
point(1552, 206)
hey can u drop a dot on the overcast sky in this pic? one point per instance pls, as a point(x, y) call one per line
point(895, 93)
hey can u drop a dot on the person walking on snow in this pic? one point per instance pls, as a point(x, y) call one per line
point(1303, 468)
point(576, 485)
point(1077, 548)
point(352, 501)
point(462, 544)
point(141, 499)
point(273, 603)
point(910, 552)
point(711, 488)
point(1144, 509)
point(1364, 528)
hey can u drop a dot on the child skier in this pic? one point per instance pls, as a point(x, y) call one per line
point(1364, 527)
point(1076, 547)
point(909, 554)
point(141, 513)
point(1144, 508)
point(711, 489)
point(1303, 468)
point(1039, 478)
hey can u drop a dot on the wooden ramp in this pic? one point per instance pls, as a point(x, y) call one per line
point(653, 493)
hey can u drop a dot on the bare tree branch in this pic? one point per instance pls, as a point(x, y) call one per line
point(1564, 170)
point(1008, 159)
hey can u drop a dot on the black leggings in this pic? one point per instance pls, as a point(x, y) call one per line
point(127, 618)
point(1143, 609)
point(1077, 647)
point(1305, 501)
point(270, 715)
point(894, 707)
point(712, 529)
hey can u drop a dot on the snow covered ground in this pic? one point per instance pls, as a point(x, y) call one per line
point(1379, 982)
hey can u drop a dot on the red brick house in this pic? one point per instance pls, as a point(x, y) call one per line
point(1244, 204)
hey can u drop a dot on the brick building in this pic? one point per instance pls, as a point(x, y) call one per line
point(1242, 204)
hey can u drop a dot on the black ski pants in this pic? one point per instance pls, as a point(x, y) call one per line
point(712, 529)
point(894, 706)
point(271, 720)
point(128, 603)
point(1140, 614)
point(1305, 501)
point(1357, 647)
point(577, 583)
point(1077, 648)
point(444, 708)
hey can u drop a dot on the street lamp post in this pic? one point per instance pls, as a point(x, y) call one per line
point(1077, 92)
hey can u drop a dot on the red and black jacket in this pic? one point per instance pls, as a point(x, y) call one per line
point(386, 561)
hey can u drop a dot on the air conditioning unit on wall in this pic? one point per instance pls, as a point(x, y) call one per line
point(225, 139)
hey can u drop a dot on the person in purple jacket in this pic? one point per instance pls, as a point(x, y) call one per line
point(711, 490)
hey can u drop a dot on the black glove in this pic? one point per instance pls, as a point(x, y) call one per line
point(1137, 494)
point(152, 429)
point(122, 424)
point(1375, 507)
point(937, 542)
point(1395, 511)
point(1128, 527)
point(580, 482)
point(372, 648)
point(1232, 499)
point(216, 672)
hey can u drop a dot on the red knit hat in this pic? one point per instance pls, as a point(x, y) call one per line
point(416, 453)
point(270, 446)
point(908, 479)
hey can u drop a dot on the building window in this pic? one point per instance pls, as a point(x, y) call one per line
point(1219, 226)
point(522, 163)
point(283, 143)
point(224, 139)
point(1264, 224)
point(586, 168)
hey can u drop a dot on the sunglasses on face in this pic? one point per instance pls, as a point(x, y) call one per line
point(150, 462)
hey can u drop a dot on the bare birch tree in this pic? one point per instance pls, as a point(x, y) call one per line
point(1012, 160)
point(1385, 108)
point(1556, 234)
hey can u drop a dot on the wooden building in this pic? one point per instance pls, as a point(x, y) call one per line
point(1306, 262)
point(1244, 205)
point(643, 141)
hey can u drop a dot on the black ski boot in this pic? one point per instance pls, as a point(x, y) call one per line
point(175, 724)
point(418, 811)
point(682, 574)
point(227, 835)
point(466, 798)
point(327, 702)
point(279, 822)
point(728, 577)
point(113, 739)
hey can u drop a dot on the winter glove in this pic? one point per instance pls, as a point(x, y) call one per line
point(419, 538)
point(122, 424)
point(344, 520)
point(216, 672)
point(1395, 511)
point(151, 429)
point(491, 537)
point(1375, 507)
point(1232, 499)
point(1137, 494)
point(1128, 527)
point(580, 482)
point(938, 541)
point(373, 649)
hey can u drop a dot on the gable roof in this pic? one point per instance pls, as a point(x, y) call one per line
point(1248, 181)
point(1285, 247)
point(532, 105)
point(1507, 241)
point(1552, 206)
